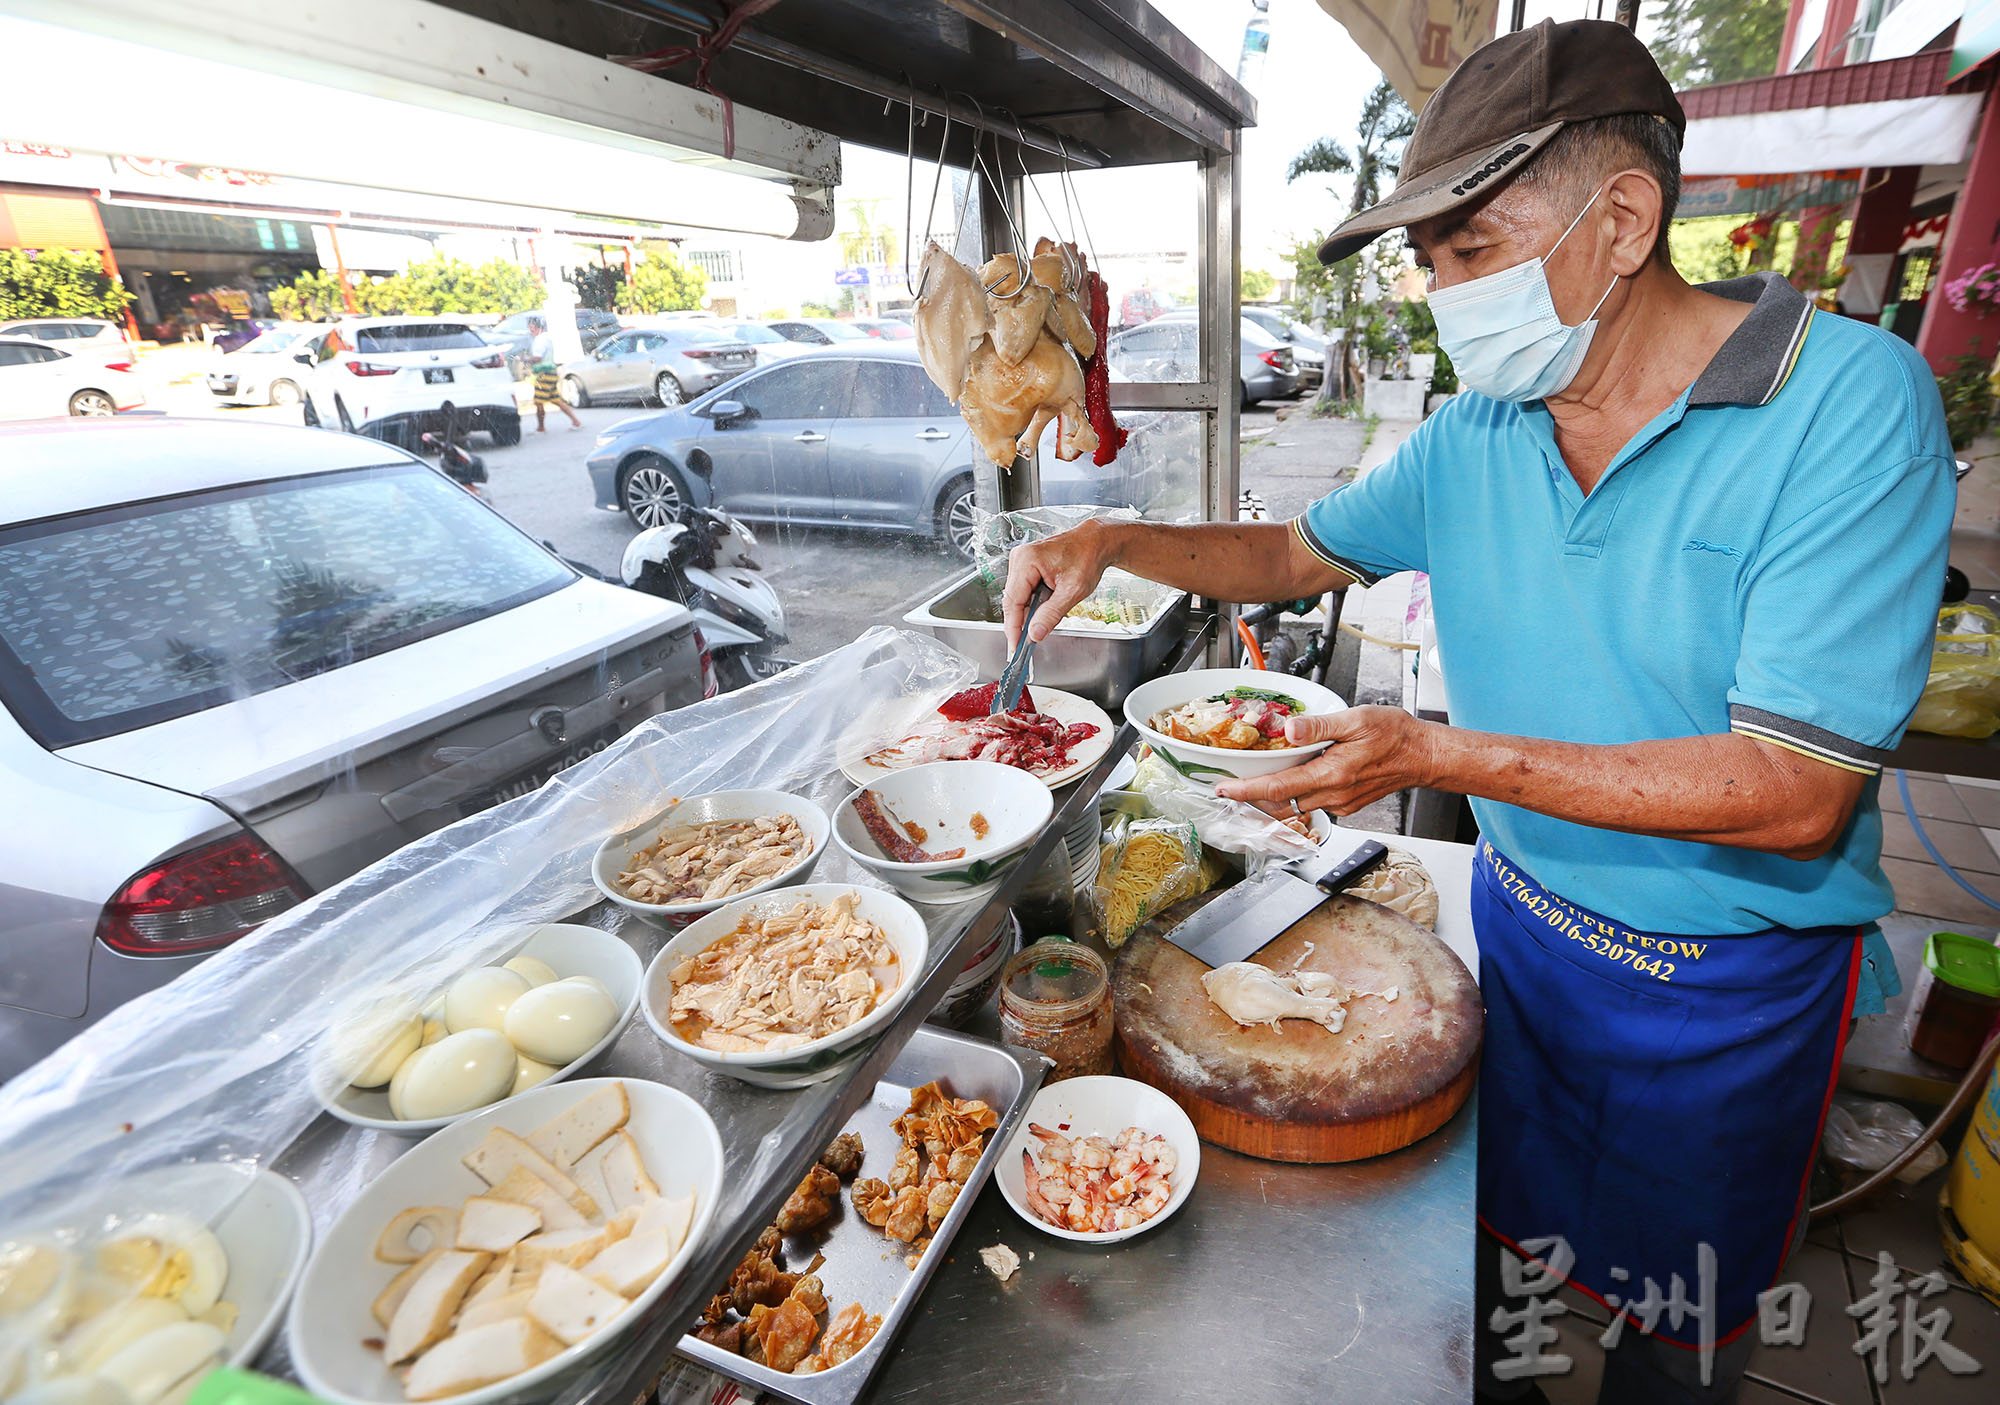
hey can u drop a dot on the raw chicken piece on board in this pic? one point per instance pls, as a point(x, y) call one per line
point(952, 319)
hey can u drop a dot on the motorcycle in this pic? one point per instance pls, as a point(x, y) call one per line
point(703, 560)
point(455, 461)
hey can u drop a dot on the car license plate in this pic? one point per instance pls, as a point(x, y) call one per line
point(437, 375)
point(531, 780)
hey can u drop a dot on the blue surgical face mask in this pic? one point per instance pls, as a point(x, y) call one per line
point(1502, 332)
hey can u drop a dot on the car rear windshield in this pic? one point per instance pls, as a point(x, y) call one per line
point(134, 615)
point(840, 331)
point(416, 336)
point(751, 332)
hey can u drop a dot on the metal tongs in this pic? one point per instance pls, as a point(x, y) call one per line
point(1008, 693)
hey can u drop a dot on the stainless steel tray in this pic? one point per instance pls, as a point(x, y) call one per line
point(863, 1264)
point(1101, 665)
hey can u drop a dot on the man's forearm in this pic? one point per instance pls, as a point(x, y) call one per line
point(1723, 789)
point(1245, 563)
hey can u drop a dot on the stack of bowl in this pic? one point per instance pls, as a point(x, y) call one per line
point(980, 978)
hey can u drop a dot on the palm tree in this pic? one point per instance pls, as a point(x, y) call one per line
point(1384, 125)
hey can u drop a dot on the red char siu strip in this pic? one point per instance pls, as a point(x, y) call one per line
point(882, 828)
point(977, 702)
point(1097, 375)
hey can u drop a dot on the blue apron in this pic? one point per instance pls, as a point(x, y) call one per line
point(1641, 1093)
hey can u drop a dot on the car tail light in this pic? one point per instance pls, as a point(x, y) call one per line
point(697, 354)
point(710, 684)
point(117, 365)
point(371, 368)
point(490, 363)
point(200, 900)
point(1270, 358)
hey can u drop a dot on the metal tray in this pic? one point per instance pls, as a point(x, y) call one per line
point(1101, 665)
point(863, 1264)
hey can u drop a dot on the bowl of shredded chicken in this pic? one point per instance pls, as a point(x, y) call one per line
point(781, 988)
point(711, 849)
point(1217, 724)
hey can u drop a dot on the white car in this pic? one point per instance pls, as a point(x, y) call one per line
point(260, 372)
point(87, 337)
point(240, 662)
point(38, 381)
point(390, 377)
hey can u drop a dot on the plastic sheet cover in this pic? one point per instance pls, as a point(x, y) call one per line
point(220, 1065)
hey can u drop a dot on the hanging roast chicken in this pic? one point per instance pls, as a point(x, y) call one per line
point(1003, 344)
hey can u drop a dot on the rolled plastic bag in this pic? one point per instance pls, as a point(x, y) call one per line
point(1962, 697)
point(1234, 826)
point(1402, 884)
point(1867, 1135)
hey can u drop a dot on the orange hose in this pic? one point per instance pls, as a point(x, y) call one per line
point(1250, 644)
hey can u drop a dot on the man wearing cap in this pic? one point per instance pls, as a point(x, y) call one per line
point(1685, 548)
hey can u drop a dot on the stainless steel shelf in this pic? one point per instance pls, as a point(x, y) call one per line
point(769, 1137)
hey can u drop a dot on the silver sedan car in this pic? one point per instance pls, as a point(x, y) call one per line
point(273, 658)
point(1168, 348)
point(671, 363)
point(854, 435)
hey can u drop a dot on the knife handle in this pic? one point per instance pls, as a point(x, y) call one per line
point(1351, 868)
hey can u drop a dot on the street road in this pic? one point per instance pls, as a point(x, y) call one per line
point(834, 584)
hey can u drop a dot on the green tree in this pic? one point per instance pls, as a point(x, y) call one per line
point(58, 283)
point(1384, 125)
point(662, 282)
point(868, 240)
point(1718, 41)
point(313, 297)
point(1257, 284)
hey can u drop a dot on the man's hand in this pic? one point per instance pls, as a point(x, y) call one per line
point(1070, 562)
point(1376, 751)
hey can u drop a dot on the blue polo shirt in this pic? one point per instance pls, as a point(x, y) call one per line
point(1764, 557)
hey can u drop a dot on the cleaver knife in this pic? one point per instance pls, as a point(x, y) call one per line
point(1251, 914)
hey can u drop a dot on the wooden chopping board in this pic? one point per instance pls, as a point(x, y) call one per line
point(1397, 1070)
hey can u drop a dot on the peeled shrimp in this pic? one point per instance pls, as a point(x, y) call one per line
point(1096, 1185)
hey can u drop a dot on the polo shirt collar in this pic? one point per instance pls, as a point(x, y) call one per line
point(1751, 367)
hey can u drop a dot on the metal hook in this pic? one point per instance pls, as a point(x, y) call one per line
point(999, 191)
point(1071, 262)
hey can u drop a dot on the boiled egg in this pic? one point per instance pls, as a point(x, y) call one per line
point(150, 1367)
point(72, 1390)
point(556, 1023)
point(479, 999)
point(528, 1072)
point(463, 1070)
point(537, 971)
point(117, 1327)
point(370, 1048)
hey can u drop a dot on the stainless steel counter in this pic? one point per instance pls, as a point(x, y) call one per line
point(1274, 1282)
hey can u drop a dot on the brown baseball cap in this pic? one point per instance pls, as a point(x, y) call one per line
point(1500, 107)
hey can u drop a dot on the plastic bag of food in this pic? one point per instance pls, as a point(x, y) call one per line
point(1962, 698)
point(1121, 601)
point(1147, 865)
point(1233, 826)
point(1867, 1135)
point(1402, 884)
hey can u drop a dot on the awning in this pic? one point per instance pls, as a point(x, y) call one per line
point(1892, 113)
point(1932, 131)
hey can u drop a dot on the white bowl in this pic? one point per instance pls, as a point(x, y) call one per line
point(1205, 765)
point(821, 1059)
point(615, 854)
point(258, 1217)
point(1101, 1106)
point(942, 797)
point(330, 1317)
point(569, 950)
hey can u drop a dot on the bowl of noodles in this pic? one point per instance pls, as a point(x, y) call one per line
point(1218, 724)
